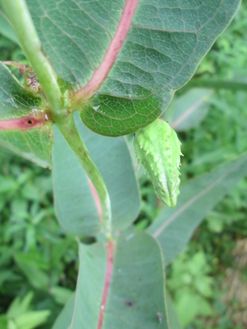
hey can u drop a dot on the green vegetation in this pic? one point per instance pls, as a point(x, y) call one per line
point(39, 262)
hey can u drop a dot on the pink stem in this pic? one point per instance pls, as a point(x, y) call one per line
point(96, 200)
point(108, 278)
point(24, 123)
point(112, 52)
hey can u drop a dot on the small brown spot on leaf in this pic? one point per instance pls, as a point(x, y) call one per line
point(129, 303)
point(159, 317)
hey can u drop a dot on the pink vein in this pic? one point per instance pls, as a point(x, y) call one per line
point(24, 123)
point(111, 55)
point(96, 200)
point(108, 278)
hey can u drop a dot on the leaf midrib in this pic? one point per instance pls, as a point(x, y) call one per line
point(111, 54)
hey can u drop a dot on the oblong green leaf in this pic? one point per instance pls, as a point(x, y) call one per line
point(75, 202)
point(135, 298)
point(174, 227)
point(75, 207)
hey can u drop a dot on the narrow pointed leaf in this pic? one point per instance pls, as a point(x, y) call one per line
point(128, 53)
point(174, 227)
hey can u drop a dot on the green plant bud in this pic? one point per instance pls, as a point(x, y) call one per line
point(159, 149)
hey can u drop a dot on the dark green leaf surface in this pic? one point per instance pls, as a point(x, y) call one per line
point(136, 295)
point(174, 227)
point(164, 45)
point(115, 116)
point(75, 206)
point(15, 102)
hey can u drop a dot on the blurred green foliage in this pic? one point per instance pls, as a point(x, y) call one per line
point(37, 261)
point(35, 255)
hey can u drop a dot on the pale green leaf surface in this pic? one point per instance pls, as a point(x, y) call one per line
point(112, 157)
point(33, 145)
point(90, 285)
point(136, 298)
point(75, 206)
point(136, 295)
point(189, 109)
point(5, 28)
point(174, 227)
point(164, 46)
point(15, 101)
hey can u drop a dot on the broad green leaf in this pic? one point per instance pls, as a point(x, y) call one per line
point(76, 209)
point(159, 54)
point(189, 109)
point(174, 227)
point(135, 298)
point(16, 102)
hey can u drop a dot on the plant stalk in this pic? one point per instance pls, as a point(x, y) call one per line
point(70, 132)
point(18, 14)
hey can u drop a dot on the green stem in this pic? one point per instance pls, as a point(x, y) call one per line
point(69, 130)
point(216, 84)
point(20, 18)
